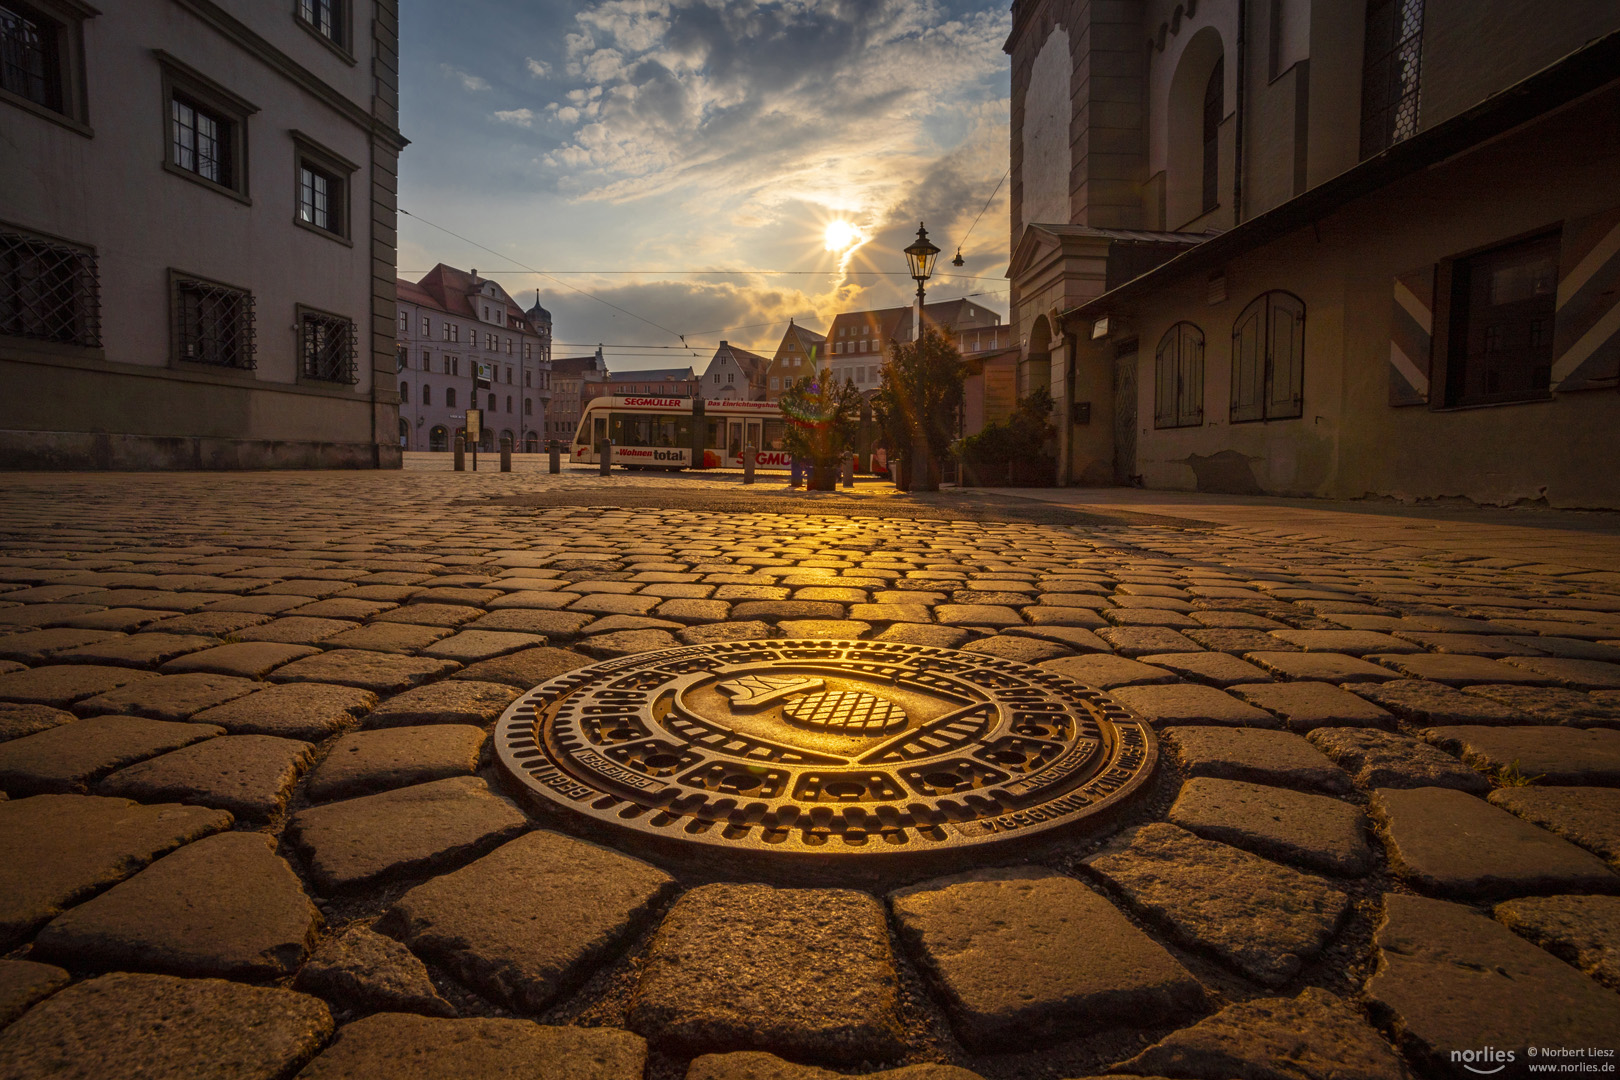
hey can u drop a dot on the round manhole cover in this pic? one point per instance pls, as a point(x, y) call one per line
point(818, 747)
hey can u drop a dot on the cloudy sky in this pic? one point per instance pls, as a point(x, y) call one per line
point(642, 141)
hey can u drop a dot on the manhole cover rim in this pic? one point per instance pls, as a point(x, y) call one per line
point(1125, 759)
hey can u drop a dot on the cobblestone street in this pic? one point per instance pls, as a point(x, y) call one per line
point(254, 826)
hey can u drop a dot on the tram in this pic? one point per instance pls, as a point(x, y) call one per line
point(693, 433)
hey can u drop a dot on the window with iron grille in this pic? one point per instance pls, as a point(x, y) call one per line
point(31, 55)
point(1178, 391)
point(327, 347)
point(213, 323)
point(1391, 66)
point(49, 290)
point(1268, 359)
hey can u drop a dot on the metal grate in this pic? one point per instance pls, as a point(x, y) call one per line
point(213, 324)
point(1391, 68)
point(328, 348)
point(48, 290)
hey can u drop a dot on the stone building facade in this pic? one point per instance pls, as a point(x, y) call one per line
point(197, 234)
point(463, 342)
point(1322, 247)
point(801, 352)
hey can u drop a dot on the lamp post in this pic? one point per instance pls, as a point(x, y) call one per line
point(920, 258)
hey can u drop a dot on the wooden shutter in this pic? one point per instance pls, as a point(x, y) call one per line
point(1190, 377)
point(1285, 360)
point(1411, 332)
point(1586, 327)
point(1164, 379)
point(1249, 363)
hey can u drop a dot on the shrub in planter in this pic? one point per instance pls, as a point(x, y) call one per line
point(823, 421)
point(1014, 453)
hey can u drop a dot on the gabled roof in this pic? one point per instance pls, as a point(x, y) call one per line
point(678, 374)
point(752, 364)
point(1039, 238)
point(451, 290)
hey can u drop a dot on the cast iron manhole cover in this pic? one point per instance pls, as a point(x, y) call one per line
point(822, 747)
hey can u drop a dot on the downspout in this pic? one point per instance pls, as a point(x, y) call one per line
point(1242, 80)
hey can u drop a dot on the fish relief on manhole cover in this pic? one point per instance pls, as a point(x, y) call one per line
point(825, 746)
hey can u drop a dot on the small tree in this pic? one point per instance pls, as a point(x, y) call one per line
point(823, 420)
point(917, 405)
point(1014, 446)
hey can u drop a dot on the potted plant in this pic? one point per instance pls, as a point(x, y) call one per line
point(823, 420)
point(918, 403)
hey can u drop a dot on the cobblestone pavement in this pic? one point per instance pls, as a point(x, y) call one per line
point(252, 827)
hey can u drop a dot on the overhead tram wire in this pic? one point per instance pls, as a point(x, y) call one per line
point(983, 208)
point(720, 273)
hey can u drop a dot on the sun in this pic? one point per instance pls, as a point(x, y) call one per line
point(841, 236)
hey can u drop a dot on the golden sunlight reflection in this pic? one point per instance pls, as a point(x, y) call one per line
point(842, 238)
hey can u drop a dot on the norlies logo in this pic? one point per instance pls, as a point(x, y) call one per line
point(1486, 1061)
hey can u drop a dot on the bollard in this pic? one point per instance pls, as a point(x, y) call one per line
point(748, 456)
point(605, 449)
point(556, 457)
point(506, 455)
point(461, 455)
point(796, 472)
point(849, 469)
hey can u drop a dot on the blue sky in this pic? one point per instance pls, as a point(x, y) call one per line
point(636, 138)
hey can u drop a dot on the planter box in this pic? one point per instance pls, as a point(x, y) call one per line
point(1041, 472)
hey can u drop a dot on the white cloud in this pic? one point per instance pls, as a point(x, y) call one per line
point(517, 117)
point(468, 82)
point(538, 68)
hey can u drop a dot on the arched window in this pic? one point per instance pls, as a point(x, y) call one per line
point(1178, 388)
point(528, 406)
point(404, 393)
point(1214, 109)
point(450, 398)
point(404, 434)
point(427, 394)
point(1268, 359)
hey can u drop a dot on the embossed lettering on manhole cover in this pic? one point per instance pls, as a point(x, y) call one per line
point(823, 747)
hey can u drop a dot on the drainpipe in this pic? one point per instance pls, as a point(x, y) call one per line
point(1242, 79)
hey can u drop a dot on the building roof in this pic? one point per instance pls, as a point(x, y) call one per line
point(752, 364)
point(580, 365)
point(894, 324)
point(1583, 71)
point(450, 290)
point(674, 374)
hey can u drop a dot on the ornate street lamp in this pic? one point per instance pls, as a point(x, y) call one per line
point(920, 258)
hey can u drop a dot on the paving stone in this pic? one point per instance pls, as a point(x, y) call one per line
point(1215, 668)
point(412, 830)
point(60, 685)
point(1550, 755)
point(400, 1046)
point(887, 613)
point(1588, 816)
point(1454, 670)
point(225, 905)
point(1076, 638)
point(169, 697)
point(162, 1027)
point(44, 615)
point(382, 673)
point(801, 972)
point(1146, 640)
point(614, 604)
point(1432, 703)
point(1147, 618)
point(1191, 703)
point(693, 610)
point(553, 625)
point(309, 587)
point(433, 615)
point(627, 643)
point(824, 629)
point(471, 646)
point(1552, 705)
point(1307, 706)
point(1239, 620)
point(1449, 979)
point(364, 762)
point(532, 919)
point(1254, 754)
point(1579, 674)
point(62, 848)
point(1081, 618)
point(1581, 930)
point(1022, 649)
point(758, 1065)
point(1108, 672)
point(939, 637)
point(1312, 830)
point(1262, 918)
point(1025, 955)
point(246, 659)
point(1378, 759)
point(363, 971)
point(295, 630)
point(388, 637)
point(1320, 666)
point(17, 721)
point(535, 599)
point(1453, 844)
point(1238, 641)
point(1348, 642)
point(135, 650)
point(1491, 645)
point(35, 646)
point(524, 669)
point(309, 711)
point(344, 607)
point(128, 620)
point(1574, 648)
point(252, 776)
point(608, 624)
point(68, 758)
point(777, 610)
point(1314, 1036)
point(25, 982)
point(259, 605)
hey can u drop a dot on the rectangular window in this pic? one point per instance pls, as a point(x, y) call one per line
point(328, 21)
point(1500, 328)
point(402, 358)
point(528, 350)
point(207, 129)
point(455, 332)
point(404, 393)
point(31, 56)
point(404, 321)
point(427, 394)
point(327, 347)
point(317, 198)
point(323, 188)
point(427, 326)
point(213, 323)
point(1392, 54)
point(49, 290)
point(427, 360)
